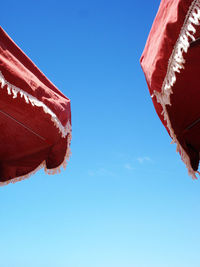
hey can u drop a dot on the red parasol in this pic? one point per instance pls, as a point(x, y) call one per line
point(170, 62)
point(35, 117)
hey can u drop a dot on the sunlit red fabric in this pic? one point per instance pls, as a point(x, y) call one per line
point(35, 117)
point(170, 62)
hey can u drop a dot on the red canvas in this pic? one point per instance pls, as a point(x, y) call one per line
point(170, 61)
point(35, 117)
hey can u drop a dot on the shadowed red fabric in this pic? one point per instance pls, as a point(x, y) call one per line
point(170, 61)
point(35, 117)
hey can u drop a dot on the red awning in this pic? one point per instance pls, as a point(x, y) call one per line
point(170, 62)
point(35, 117)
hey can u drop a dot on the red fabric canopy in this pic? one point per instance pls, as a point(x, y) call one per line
point(170, 62)
point(35, 117)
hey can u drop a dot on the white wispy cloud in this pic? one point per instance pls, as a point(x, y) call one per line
point(128, 166)
point(141, 160)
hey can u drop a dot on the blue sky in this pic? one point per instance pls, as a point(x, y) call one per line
point(125, 199)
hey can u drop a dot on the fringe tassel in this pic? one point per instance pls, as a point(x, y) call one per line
point(176, 63)
point(43, 166)
point(29, 99)
point(64, 131)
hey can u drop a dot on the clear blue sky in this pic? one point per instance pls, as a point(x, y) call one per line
point(126, 199)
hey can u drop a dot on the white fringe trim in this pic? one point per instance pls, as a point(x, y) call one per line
point(176, 63)
point(64, 131)
point(29, 99)
point(41, 166)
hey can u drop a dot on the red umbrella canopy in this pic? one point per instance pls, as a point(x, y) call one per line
point(35, 117)
point(170, 62)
